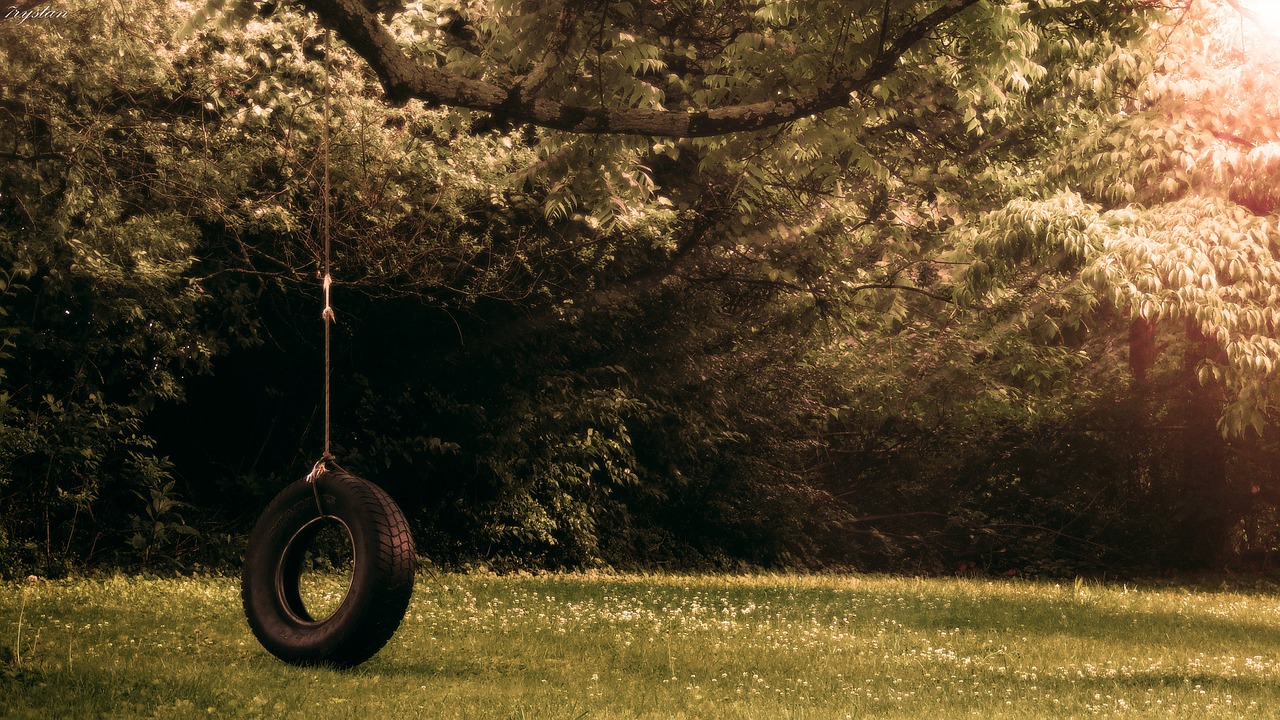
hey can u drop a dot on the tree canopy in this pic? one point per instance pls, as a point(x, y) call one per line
point(616, 67)
point(791, 282)
point(1166, 198)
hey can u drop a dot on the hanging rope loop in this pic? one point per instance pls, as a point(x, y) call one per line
point(320, 468)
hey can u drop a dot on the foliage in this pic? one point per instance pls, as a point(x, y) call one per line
point(101, 313)
point(1163, 200)
point(569, 350)
point(1137, 215)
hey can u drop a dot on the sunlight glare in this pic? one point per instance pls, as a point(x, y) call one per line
point(1266, 14)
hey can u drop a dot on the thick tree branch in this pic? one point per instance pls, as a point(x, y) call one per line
point(907, 288)
point(33, 157)
point(403, 78)
point(1234, 139)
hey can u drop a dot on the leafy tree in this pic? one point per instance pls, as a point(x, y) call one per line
point(223, 160)
point(1161, 201)
point(627, 295)
point(99, 312)
point(1165, 202)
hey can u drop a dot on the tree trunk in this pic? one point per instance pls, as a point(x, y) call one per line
point(1207, 516)
point(1142, 351)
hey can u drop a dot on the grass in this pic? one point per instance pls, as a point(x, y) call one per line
point(603, 646)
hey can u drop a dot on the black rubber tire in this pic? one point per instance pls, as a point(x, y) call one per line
point(383, 567)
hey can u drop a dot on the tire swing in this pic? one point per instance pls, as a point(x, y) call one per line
point(382, 570)
point(328, 503)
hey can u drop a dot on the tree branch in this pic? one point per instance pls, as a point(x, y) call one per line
point(34, 157)
point(1234, 139)
point(908, 288)
point(403, 78)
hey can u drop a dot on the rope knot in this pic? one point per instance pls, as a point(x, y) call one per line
point(327, 313)
point(320, 468)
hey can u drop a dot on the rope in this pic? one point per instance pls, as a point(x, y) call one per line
point(327, 313)
point(326, 457)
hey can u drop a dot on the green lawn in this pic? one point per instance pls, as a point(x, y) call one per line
point(601, 646)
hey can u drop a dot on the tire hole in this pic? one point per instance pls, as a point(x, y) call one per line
point(326, 570)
